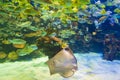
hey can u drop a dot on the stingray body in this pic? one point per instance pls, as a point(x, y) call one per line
point(64, 63)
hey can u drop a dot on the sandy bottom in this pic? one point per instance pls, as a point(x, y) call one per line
point(90, 67)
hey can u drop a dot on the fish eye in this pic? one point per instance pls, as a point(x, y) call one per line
point(67, 49)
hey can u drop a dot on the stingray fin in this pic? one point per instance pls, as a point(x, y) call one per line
point(51, 65)
point(67, 74)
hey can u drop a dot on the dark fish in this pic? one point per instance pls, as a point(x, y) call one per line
point(32, 3)
point(36, 6)
point(64, 63)
point(6, 1)
point(112, 21)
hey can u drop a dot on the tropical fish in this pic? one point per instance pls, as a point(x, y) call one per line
point(35, 5)
point(113, 20)
point(97, 13)
point(108, 13)
point(32, 3)
point(64, 63)
point(102, 19)
point(96, 24)
point(97, 2)
point(83, 13)
point(103, 11)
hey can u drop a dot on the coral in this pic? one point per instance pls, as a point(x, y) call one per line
point(18, 18)
point(117, 10)
point(75, 9)
point(6, 42)
point(103, 11)
point(33, 34)
point(63, 45)
point(84, 7)
point(12, 55)
point(66, 33)
point(18, 43)
point(3, 55)
point(26, 50)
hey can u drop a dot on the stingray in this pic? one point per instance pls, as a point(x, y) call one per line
point(64, 63)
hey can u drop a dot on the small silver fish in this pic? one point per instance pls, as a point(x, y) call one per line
point(64, 63)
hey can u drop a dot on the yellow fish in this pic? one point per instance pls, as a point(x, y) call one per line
point(64, 63)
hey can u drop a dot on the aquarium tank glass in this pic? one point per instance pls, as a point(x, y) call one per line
point(59, 39)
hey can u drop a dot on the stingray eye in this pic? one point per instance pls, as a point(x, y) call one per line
point(67, 49)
